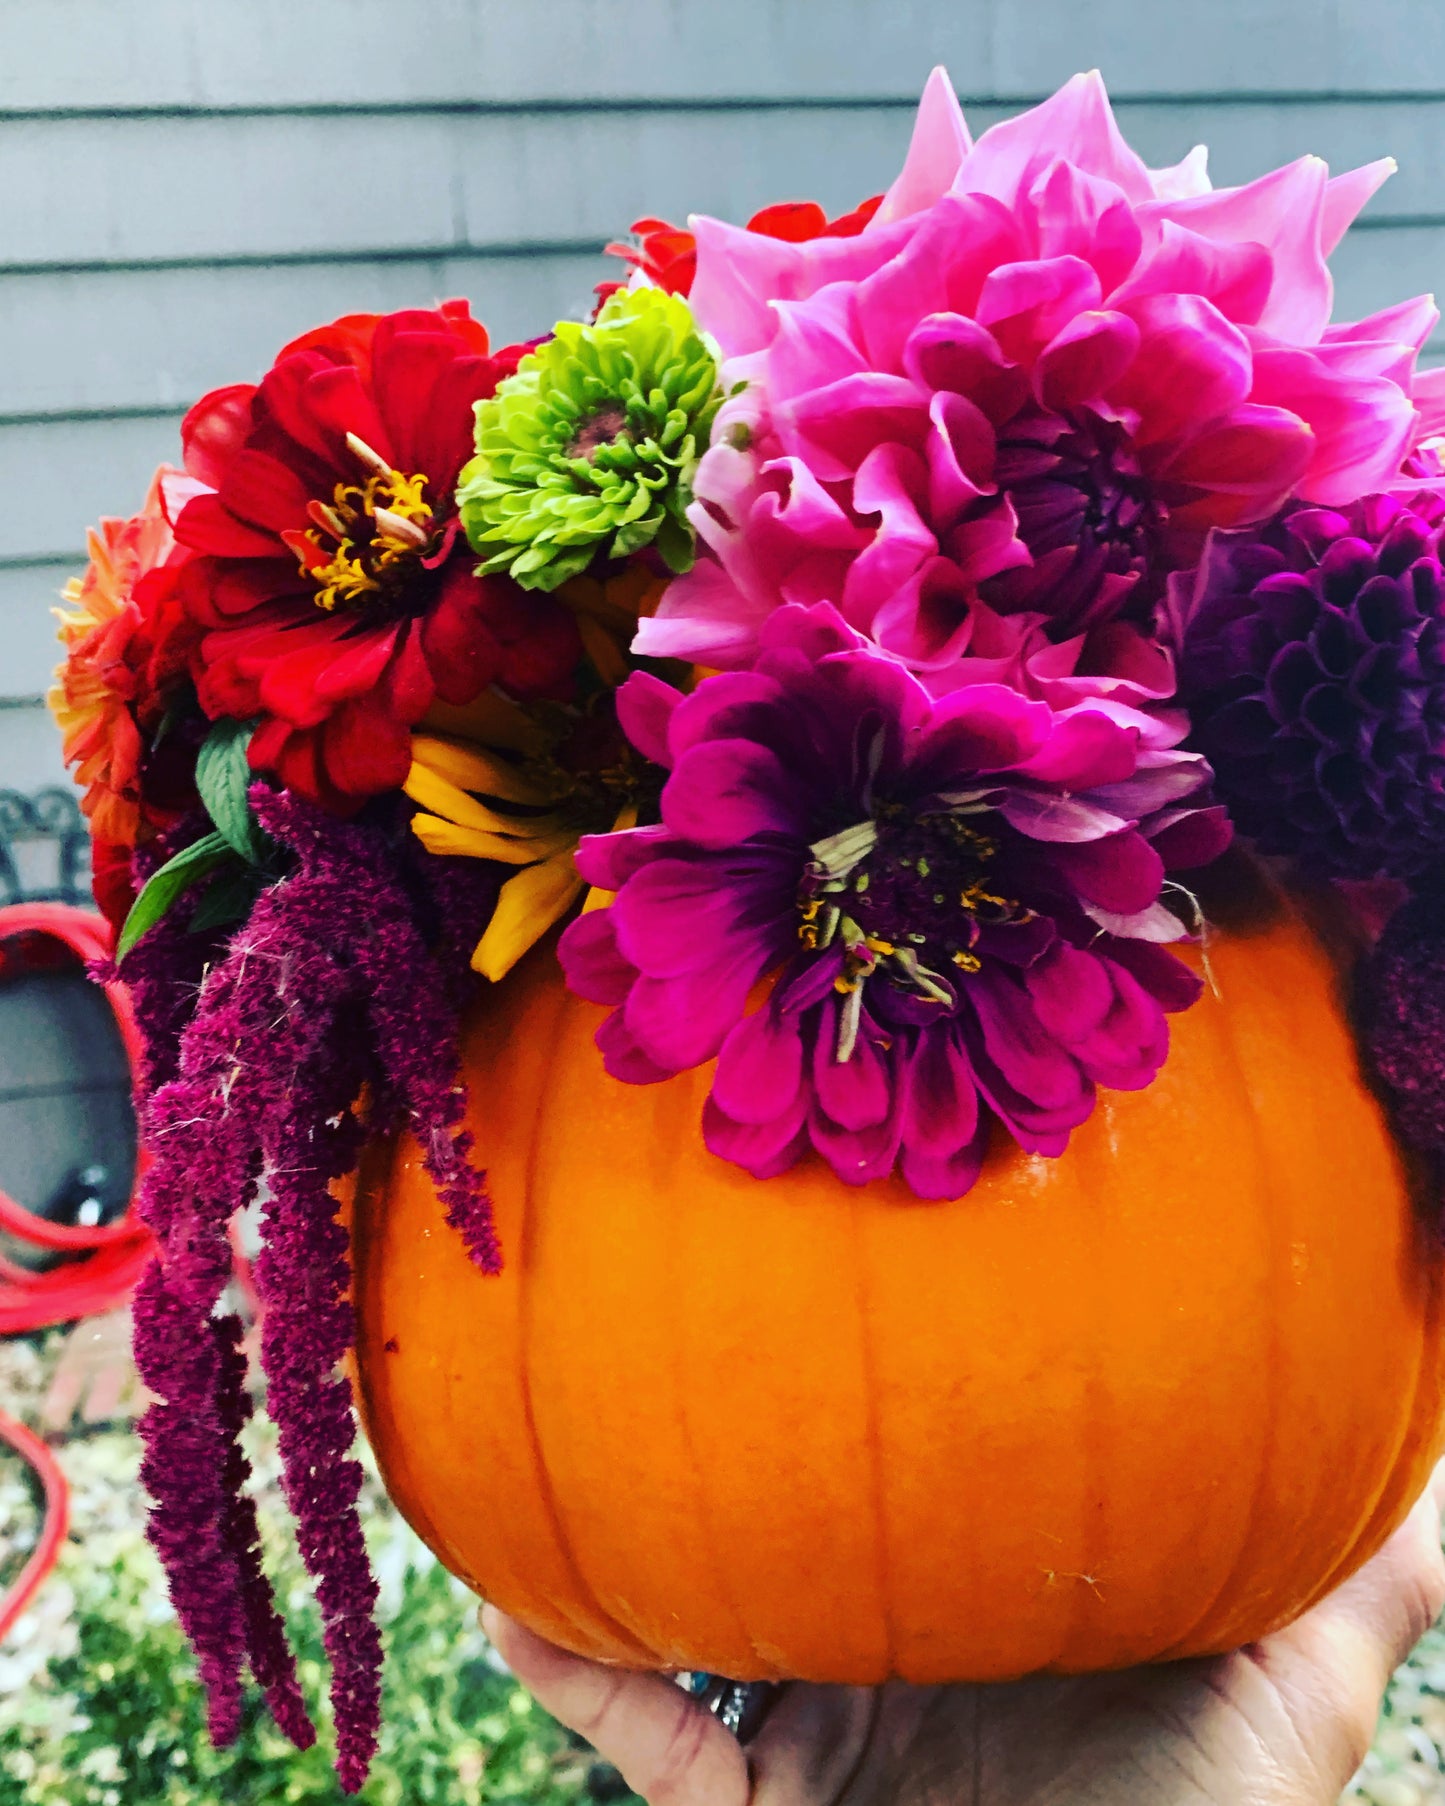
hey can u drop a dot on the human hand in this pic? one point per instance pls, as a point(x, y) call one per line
point(1283, 1723)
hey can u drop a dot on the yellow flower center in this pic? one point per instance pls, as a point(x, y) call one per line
point(364, 540)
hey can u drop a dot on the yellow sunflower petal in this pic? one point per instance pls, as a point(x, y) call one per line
point(491, 720)
point(586, 597)
point(472, 767)
point(602, 648)
point(527, 907)
point(439, 836)
point(434, 793)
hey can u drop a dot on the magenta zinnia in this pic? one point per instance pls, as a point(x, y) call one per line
point(960, 901)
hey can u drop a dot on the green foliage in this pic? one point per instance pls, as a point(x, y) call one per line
point(224, 778)
point(163, 887)
point(121, 1721)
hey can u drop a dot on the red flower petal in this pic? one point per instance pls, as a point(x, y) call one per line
point(365, 752)
point(214, 430)
point(207, 525)
point(462, 653)
point(407, 688)
point(410, 369)
point(263, 492)
point(344, 341)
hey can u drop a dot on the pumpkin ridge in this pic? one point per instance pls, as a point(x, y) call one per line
point(872, 1393)
point(373, 1182)
point(713, 1542)
point(1091, 1432)
point(1406, 1473)
point(1402, 1478)
point(546, 1491)
point(1276, 1271)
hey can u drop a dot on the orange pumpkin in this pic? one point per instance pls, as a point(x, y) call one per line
point(1148, 1400)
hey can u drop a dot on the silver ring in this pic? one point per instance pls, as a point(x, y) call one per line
point(739, 1706)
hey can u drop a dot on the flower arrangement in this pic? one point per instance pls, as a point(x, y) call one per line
point(855, 635)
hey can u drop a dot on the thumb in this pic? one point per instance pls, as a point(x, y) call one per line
point(1331, 1667)
point(667, 1748)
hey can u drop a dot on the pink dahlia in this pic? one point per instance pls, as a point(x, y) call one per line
point(959, 900)
point(998, 417)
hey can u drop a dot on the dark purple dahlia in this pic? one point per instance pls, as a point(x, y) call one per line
point(1312, 661)
point(1403, 1017)
point(960, 900)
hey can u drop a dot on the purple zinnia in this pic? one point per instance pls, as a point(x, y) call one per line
point(959, 900)
point(1312, 660)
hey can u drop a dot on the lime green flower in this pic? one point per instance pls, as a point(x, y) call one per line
point(591, 447)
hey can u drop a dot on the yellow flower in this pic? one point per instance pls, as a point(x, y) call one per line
point(522, 785)
point(517, 824)
point(607, 614)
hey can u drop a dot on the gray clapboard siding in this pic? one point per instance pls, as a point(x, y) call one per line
point(67, 54)
point(29, 748)
point(157, 338)
point(81, 191)
point(1374, 268)
point(189, 183)
point(28, 593)
point(72, 472)
point(100, 463)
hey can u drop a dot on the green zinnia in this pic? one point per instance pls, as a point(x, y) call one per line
point(591, 447)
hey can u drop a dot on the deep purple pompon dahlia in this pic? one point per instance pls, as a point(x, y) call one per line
point(1312, 661)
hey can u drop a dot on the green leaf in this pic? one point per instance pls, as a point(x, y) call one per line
point(162, 888)
point(223, 776)
point(228, 899)
point(677, 544)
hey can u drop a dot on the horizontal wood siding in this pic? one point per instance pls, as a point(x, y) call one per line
point(72, 54)
point(189, 183)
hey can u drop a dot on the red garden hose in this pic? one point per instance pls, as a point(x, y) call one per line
point(52, 1533)
point(117, 1252)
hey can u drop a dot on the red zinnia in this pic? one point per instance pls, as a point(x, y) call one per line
point(668, 255)
point(334, 581)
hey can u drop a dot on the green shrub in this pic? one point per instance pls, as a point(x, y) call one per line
point(116, 1717)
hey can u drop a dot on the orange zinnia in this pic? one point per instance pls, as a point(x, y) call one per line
point(126, 643)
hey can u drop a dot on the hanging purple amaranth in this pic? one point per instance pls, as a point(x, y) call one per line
point(1403, 1010)
point(302, 1275)
point(204, 1128)
point(185, 1469)
point(165, 970)
point(406, 993)
point(329, 989)
point(270, 1657)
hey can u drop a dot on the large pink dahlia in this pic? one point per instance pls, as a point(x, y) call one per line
point(959, 900)
point(990, 425)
